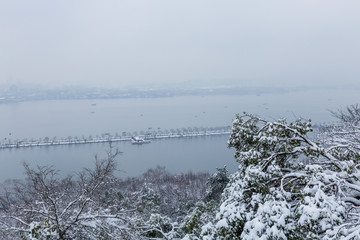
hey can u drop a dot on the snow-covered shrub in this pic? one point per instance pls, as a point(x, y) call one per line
point(287, 186)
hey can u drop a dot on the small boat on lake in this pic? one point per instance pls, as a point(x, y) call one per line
point(139, 140)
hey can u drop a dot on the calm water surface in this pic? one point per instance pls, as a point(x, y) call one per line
point(198, 154)
point(83, 118)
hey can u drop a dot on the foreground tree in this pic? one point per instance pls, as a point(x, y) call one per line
point(343, 138)
point(205, 209)
point(287, 186)
point(216, 185)
point(48, 207)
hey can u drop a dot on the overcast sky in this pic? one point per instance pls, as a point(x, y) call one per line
point(115, 43)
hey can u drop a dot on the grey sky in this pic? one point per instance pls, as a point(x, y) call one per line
point(115, 43)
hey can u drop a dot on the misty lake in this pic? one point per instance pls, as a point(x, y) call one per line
point(95, 117)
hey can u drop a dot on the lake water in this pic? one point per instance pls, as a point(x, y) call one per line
point(83, 118)
point(198, 154)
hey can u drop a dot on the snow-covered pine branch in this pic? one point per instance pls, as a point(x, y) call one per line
point(288, 186)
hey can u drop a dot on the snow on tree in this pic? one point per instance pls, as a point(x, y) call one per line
point(198, 216)
point(216, 184)
point(287, 186)
point(48, 207)
point(343, 142)
point(343, 138)
point(159, 227)
point(205, 210)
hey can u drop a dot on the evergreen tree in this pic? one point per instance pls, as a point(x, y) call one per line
point(287, 186)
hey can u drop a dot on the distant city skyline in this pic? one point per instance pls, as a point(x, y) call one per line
point(119, 44)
